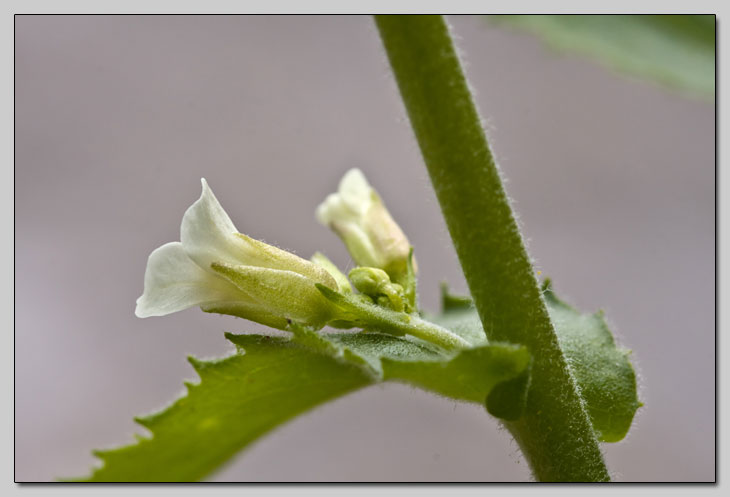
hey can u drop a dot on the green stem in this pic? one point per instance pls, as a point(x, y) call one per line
point(371, 317)
point(400, 323)
point(555, 433)
point(433, 333)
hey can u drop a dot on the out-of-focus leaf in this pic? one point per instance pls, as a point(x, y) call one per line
point(675, 50)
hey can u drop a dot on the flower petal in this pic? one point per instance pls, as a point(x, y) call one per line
point(173, 282)
point(355, 191)
point(350, 203)
point(208, 234)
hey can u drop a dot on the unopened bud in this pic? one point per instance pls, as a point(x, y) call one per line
point(376, 284)
point(360, 219)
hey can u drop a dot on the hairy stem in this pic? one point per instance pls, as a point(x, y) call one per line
point(376, 318)
point(425, 330)
point(555, 433)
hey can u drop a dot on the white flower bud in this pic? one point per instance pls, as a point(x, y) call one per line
point(360, 219)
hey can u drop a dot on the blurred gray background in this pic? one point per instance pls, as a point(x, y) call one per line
point(118, 118)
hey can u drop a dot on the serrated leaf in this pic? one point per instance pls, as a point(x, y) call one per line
point(273, 379)
point(603, 371)
point(675, 50)
point(238, 399)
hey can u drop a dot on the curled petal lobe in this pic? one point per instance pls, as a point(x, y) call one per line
point(174, 282)
point(208, 234)
point(355, 191)
point(351, 201)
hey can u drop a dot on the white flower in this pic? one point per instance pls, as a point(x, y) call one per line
point(221, 270)
point(360, 219)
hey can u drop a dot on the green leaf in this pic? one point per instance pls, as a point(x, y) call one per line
point(372, 347)
point(603, 371)
point(468, 376)
point(238, 399)
point(459, 315)
point(273, 379)
point(606, 377)
point(674, 50)
point(508, 399)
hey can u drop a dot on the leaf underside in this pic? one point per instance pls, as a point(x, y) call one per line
point(270, 380)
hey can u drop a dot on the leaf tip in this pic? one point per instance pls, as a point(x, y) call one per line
point(100, 453)
point(450, 301)
point(328, 293)
point(196, 363)
point(141, 438)
point(144, 421)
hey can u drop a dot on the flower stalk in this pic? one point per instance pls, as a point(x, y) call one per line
point(357, 312)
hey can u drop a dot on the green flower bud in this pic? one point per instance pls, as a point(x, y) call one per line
point(376, 284)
